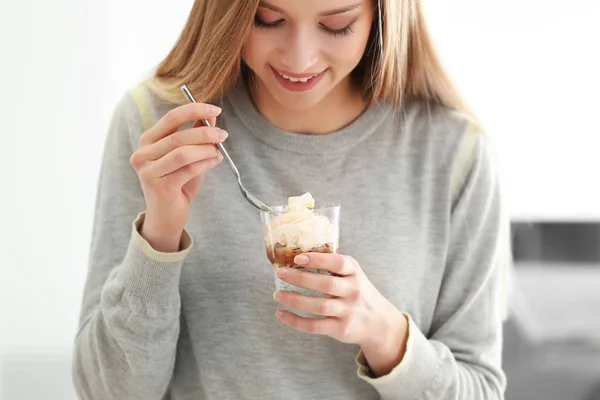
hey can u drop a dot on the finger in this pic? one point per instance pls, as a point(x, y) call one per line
point(181, 157)
point(332, 285)
point(335, 263)
point(185, 174)
point(186, 137)
point(212, 121)
point(178, 117)
point(313, 305)
point(317, 326)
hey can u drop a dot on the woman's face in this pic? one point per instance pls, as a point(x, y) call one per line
point(301, 50)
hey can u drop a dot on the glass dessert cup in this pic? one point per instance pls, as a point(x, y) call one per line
point(290, 233)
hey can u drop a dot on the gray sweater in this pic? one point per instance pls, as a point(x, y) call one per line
point(200, 324)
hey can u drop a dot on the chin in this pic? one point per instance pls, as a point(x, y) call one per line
point(296, 101)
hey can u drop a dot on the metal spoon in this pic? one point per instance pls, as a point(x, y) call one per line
point(247, 195)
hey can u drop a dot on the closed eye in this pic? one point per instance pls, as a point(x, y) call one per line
point(345, 31)
point(262, 24)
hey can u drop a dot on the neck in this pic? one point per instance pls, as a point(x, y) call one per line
point(339, 108)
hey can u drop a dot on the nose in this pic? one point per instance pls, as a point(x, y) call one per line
point(300, 52)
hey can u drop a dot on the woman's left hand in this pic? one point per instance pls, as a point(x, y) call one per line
point(356, 312)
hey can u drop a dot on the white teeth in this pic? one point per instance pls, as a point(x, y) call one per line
point(289, 78)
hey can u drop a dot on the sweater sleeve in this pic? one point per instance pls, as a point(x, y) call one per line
point(129, 321)
point(460, 357)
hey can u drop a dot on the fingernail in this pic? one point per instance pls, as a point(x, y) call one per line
point(278, 295)
point(213, 110)
point(301, 259)
point(222, 135)
point(283, 272)
point(279, 314)
point(220, 156)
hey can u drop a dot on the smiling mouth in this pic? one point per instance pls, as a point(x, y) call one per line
point(304, 78)
point(298, 82)
point(291, 79)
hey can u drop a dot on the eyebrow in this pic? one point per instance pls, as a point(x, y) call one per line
point(324, 14)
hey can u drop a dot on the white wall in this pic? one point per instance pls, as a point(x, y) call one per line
point(65, 63)
point(528, 68)
point(43, 71)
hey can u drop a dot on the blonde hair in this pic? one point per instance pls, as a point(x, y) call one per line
point(400, 58)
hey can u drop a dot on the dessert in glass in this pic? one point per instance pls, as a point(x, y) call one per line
point(299, 228)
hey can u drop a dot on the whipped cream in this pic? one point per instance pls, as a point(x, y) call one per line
point(300, 202)
point(299, 227)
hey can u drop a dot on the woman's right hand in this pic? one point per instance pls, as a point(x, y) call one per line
point(171, 166)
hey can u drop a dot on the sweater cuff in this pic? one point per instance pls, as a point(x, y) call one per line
point(416, 373)
point(185, 243)
point(151, 275)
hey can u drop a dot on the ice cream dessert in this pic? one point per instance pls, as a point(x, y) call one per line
point(298, 229)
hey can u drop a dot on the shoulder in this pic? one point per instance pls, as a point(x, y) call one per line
point(445, 136)
point(149, 106)
point(444, 143)
point(437, 128)
point(137, 110)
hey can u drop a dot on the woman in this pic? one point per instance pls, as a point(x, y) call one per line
point(345, 99)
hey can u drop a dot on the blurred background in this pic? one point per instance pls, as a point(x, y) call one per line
point(529, 68)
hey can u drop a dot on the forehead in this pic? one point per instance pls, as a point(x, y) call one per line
point(314, 7)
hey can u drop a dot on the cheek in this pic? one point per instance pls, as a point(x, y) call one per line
point(256, 49)
point(346, 53)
